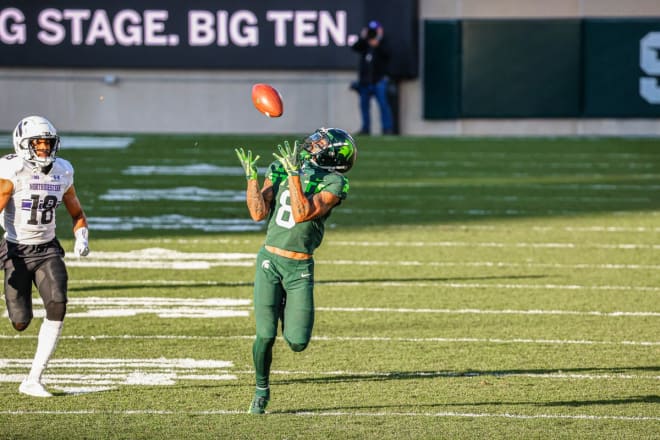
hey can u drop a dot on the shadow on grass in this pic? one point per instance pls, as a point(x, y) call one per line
point(571, 403)
point(408, 375)
point(406, 180)
point(632, 399)
point(432, 280)
point(179, 285)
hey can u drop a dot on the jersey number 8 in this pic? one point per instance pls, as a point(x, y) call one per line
point(47, 207)
point(284, 215)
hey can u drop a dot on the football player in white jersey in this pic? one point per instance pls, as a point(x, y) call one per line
point(33, 183)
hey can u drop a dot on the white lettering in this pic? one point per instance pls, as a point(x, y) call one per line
point(127, 27)
point(223, 37)
point(310, 28)
point(649, 62)
point(52, 32)
point(76, 16)
point(204, 28)
point(330, 28)
point(128, 34)
point(100, 28)
point(304, 27)
point(649, 53)
point(13, 33)
point(284, 215)
point(280, 19)
point(243, 30)
point(200, 28)
point(154, 23)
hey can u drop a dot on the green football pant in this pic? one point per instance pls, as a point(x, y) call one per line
point(283, 289)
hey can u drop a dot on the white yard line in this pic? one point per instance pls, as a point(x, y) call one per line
point(484, 311)
point(173, 259)
point(425, 374)
point(443, 414)
point(460, 227)
point(113, 306)
point(357, 338)
point(620, 246)
point(605, 266)
point(392, 283)
point(576, 287)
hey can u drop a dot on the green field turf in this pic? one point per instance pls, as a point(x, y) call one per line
point(468, 288)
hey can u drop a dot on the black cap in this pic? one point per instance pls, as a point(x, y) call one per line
point(372, 29)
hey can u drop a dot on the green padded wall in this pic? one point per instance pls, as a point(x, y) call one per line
point(521, 68)
point(613, 67)
point(441, 72)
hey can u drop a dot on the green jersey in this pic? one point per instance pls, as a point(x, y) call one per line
point(283, 232)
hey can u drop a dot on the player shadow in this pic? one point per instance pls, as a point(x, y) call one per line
point(80, 391)
point(430, 279)
point(136, 286)
point(410, 375)
point(241, 284)
point(495, 374)
point(569, 403)
point(653, 398)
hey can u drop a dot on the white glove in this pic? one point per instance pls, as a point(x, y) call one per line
point(81, 248)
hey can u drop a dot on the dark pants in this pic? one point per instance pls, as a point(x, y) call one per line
point(283, 289)
point(379, 91)
point(25, 265)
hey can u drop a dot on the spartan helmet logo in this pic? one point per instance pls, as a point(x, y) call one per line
point(265, 265)
point(332, 149)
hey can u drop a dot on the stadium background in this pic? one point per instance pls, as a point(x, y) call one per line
point(476, 287)
point(507, 67)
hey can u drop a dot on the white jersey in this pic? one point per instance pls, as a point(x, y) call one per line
point(29, 217)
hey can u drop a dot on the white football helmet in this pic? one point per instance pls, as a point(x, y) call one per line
point(30, 129)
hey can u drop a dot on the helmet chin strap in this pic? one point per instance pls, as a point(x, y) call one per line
point(37, 164)
point(37, 167)
point(41, 161)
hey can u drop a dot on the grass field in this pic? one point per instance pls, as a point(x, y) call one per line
point(468, 288)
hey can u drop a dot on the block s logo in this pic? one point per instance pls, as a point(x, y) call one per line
point(649, 62)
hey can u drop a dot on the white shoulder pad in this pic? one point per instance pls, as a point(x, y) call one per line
point(63, 166)
point(10, 165)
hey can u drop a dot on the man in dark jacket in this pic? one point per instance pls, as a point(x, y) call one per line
point(374, 60)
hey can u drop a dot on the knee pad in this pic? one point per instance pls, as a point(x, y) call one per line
point(20, 326)
point(55, 311)
point(297, 347)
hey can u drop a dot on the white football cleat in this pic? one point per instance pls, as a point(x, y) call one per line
point(33, 388)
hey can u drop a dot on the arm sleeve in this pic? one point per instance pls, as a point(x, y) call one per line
point(338, 186)
point(360, 45)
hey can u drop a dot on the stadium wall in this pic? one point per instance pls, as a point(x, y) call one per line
point(412, 98)
point(116, 100)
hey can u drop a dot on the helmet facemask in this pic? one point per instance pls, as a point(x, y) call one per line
point(331, 149)
point(27, 135)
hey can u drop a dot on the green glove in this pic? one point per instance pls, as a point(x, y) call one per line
point(290, 158)
point(249, 164)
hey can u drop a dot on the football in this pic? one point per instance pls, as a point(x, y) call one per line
point(267, 100)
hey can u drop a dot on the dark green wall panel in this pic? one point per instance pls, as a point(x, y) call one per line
point(612, 72)
point(528, 68)
point(521, 68)
point(442, 69)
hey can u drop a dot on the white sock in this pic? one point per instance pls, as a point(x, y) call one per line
point(49, 334)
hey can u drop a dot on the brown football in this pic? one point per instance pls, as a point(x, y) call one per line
point(267, 100)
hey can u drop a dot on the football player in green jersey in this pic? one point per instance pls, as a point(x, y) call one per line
point(301, 188)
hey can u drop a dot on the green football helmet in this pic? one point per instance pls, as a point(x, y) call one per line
point(332, 149)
